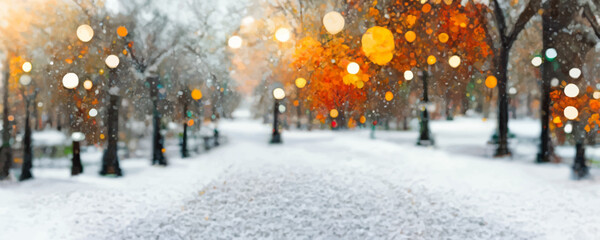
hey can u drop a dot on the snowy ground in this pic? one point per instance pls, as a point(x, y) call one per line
point(320, 184)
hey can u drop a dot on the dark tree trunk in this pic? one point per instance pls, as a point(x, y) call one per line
point(110, 160)
point(299, 115)
point(549, 27)
point(76, 167)
point(158, 158)
point(27, 150)
point(580, 168)
point(507, 39)
point(386, 123)
point(309, 122)
point(449, 115)
point(502, 149)
point(58, 121)
point(158, 144)
point(276, 137)
point(184, 148)
point(5, 150)
point(36, 117)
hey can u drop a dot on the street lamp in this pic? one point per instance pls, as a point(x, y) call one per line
point(71, 81)
point(110, 160)
point(278, 94)
point(77, 167)
point(300, 83)
point(425, 138)
point(25, 81)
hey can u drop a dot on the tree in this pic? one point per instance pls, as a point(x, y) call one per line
point(506, 40)
point(150, 42)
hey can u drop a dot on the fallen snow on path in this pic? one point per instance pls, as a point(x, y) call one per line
point(320, 184)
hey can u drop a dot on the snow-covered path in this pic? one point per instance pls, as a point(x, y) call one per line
point(320, 184)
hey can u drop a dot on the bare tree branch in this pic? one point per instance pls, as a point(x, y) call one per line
point(500, 21)
point(589, 15)
point(531, 9)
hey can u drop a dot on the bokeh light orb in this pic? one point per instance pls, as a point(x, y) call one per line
point(26, 67)
point(389, 96)
point(431, 60)
point(87, 84)
point(85, 33)
point(491, 81)
point(278, 93)
point(93, 112)
point(568, 128)
point(353, 68)
point(443, 37)
point(359, 84)
point(283, 34)
point(122, 31)
point(536, 61)
point(25, 80)
point(554, 82)
point(596, 95)
point(300, 82)
point(235, 42)
point(70, 81)
point(410, 36)
point(281, 108)
point(551, 54)
point(333, 113)
point(196, 94)
point(454, 61)
point(575, 73)
point(247, 21)
point(112, 61)
point(571, 112)
point(408, 75)
point(77, 136)
point(378, 45)
point(334, 22)
point(571, 90)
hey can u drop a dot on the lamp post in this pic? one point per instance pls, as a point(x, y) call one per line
point(425, 138)
point(110, 160)
point(76, 167)
point(282, 35)
point(25, 80)
point(70, 81)
point(300, 83)
point(278, 95)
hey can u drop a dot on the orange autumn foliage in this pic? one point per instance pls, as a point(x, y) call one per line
point(331, 86)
